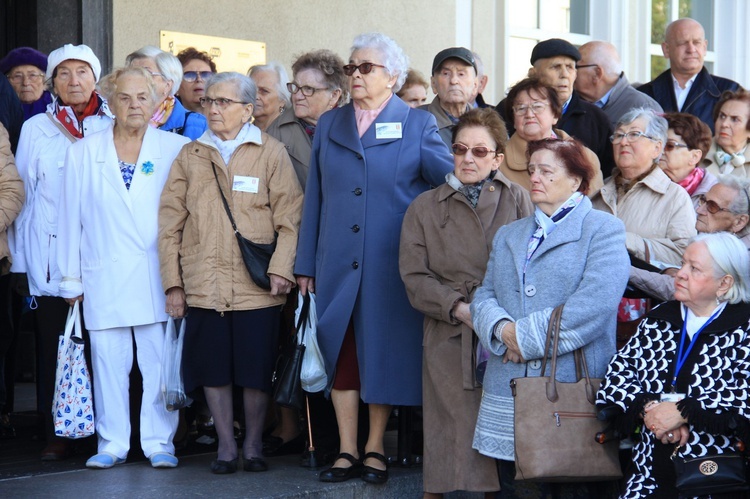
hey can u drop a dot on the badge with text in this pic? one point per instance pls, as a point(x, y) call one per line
point(672, 397)
point(387, 130)
point(245, 184)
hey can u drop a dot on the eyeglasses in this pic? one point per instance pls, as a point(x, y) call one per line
point(207, 102)
point(364, 68)
point(20, 77)
point(671, 146)
point(191, 76)
point(477, 152)
point(306, 91)
point(711, 206)
point(536, 108)
point(632, 137)
point(581, 66)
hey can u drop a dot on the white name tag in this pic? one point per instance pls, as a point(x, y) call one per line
point(245, 184)
point(672, 397)
point(388, 130)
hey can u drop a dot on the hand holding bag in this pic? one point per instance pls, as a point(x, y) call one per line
point(72, 405)
point(555, 424)
point(313, 373)
point(287, 385)
point(172, 386)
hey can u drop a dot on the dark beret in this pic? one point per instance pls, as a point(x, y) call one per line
point(552, 48)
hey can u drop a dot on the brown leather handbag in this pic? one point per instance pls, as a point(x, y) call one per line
point(555, 424)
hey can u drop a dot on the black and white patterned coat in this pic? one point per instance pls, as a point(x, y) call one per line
point(715, 378)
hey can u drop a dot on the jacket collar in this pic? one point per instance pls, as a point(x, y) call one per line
point(664, 91)
point(446, 191)
point(731, 318)
point(254, 137)
point(344, 126)
point(443, 121)
point(570, 229)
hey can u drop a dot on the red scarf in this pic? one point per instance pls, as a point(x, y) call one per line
point(66, 120)
point(693, 180)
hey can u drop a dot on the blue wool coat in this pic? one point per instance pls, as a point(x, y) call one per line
point(356, 195)
point(583, 263)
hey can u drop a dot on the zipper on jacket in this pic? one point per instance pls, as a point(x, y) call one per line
point(559, 416)
point(49, 250)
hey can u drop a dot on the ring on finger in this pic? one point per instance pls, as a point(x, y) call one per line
point(670, 436)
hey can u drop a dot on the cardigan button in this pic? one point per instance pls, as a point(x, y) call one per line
point(355, 265)
point(535, 364)
point(530, 290)
point(357, 191)
point(355, 228)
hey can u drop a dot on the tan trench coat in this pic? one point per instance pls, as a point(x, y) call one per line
point(445, 246)
point(11, 197)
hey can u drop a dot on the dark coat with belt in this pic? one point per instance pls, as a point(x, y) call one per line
point(701, 99)
point(356, 195)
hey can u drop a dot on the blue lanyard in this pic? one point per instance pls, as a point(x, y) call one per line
point(681, 358)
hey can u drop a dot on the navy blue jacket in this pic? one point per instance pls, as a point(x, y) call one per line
point(703, 95)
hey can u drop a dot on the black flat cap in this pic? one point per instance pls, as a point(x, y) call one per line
point(554, 47)
point(455, 53)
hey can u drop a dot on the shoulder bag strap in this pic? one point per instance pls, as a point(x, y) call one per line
point(224, 200)
point(62, 128)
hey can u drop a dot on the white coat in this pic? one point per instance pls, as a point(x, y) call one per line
point(40, 159)
point(107, 237)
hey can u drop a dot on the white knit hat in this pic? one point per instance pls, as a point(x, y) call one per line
point(77, 52)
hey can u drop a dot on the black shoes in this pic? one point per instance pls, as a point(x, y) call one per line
point(342, 474)
point(254, 464)
point(219, 467)
point(275, 446)
point(374, 475)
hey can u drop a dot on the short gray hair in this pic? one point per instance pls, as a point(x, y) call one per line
point(395, 60)
point(281, 76)
point(740, 205)
point(656, 126)
point(479, 63)
point(730, 257)
point(167, 64)
point(246, 87)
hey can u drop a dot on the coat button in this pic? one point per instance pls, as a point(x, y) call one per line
point(228, 305)
point(359, 156)
point(492, 188)
point(530, 290)
point(357, 191)
point(355, 265)
point(355, 228)
point(535, 364)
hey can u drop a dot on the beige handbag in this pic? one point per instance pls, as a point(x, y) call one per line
point(555, 424)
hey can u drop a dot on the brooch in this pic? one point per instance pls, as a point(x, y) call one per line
point(147, 168)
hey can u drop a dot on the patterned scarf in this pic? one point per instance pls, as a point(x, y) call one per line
point(72, 121)
point(545, 225)
point(309, 129)
point(693, 180)
point(162, 113)
point(624, 185)
point(127, 170)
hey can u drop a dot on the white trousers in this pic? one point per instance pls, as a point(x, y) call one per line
point(112, 360)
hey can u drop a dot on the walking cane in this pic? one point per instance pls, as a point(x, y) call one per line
point(311, 447)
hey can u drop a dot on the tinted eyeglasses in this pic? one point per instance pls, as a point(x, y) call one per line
point(191, 76)
point(671, 146)
point(364, 68)
point(207, 102)
point(477, 152)
point(711, 206)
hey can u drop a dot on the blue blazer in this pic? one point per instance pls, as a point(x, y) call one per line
point(356, 195)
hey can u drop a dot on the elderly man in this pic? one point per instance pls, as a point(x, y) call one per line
point(687, 86)
point(724, 208)
point(602, 82)
point(554, 63)
point(454, 81)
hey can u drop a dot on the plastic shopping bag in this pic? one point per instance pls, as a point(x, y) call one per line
point(172, 387)
point(313, 374)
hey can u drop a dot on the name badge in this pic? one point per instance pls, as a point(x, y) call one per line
point(245, 184)
point(672, 397)
point(388, 130)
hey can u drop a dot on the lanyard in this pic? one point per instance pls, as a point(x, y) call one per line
point(681, 358)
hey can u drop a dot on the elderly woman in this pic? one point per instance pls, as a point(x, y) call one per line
point(76, 110)
point(319, 84)
point(169, 115)
point(441, 274)
point(107, 250)
point(370, 159)
point(688, 140)
point(414, 91)
point(536, 109)
point(273, 95)
point(232, 329)
point(566, 253)
point(724, 208)
point(728, 153)
point(688, 400)
point(197, 68)
point(25, 68)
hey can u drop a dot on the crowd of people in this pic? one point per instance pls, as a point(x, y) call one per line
point(438, 238)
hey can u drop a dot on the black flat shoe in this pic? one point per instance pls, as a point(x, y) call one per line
point(342, 474)
point(374, 475)
point(275, 446)
point(254, 464)
point(220, 467)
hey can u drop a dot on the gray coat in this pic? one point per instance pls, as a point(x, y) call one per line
point(583, 264)
point(624, 98)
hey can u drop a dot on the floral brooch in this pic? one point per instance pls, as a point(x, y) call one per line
point(147, 168)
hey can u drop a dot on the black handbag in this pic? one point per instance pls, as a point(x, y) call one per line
point(256, 256)
point(712, 474)
point(287, 386)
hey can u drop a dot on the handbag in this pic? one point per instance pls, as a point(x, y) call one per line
point(72, 405)
point(256, 256)
point(712, 474)
point(313, 373)
point(555, 423)
point(287, 385)
point(172, 386)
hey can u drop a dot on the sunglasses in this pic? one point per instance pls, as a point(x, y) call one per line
point(364, 68)
point(477, 152)
point(671, 146)
point(191, 76)
point(711, 206)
